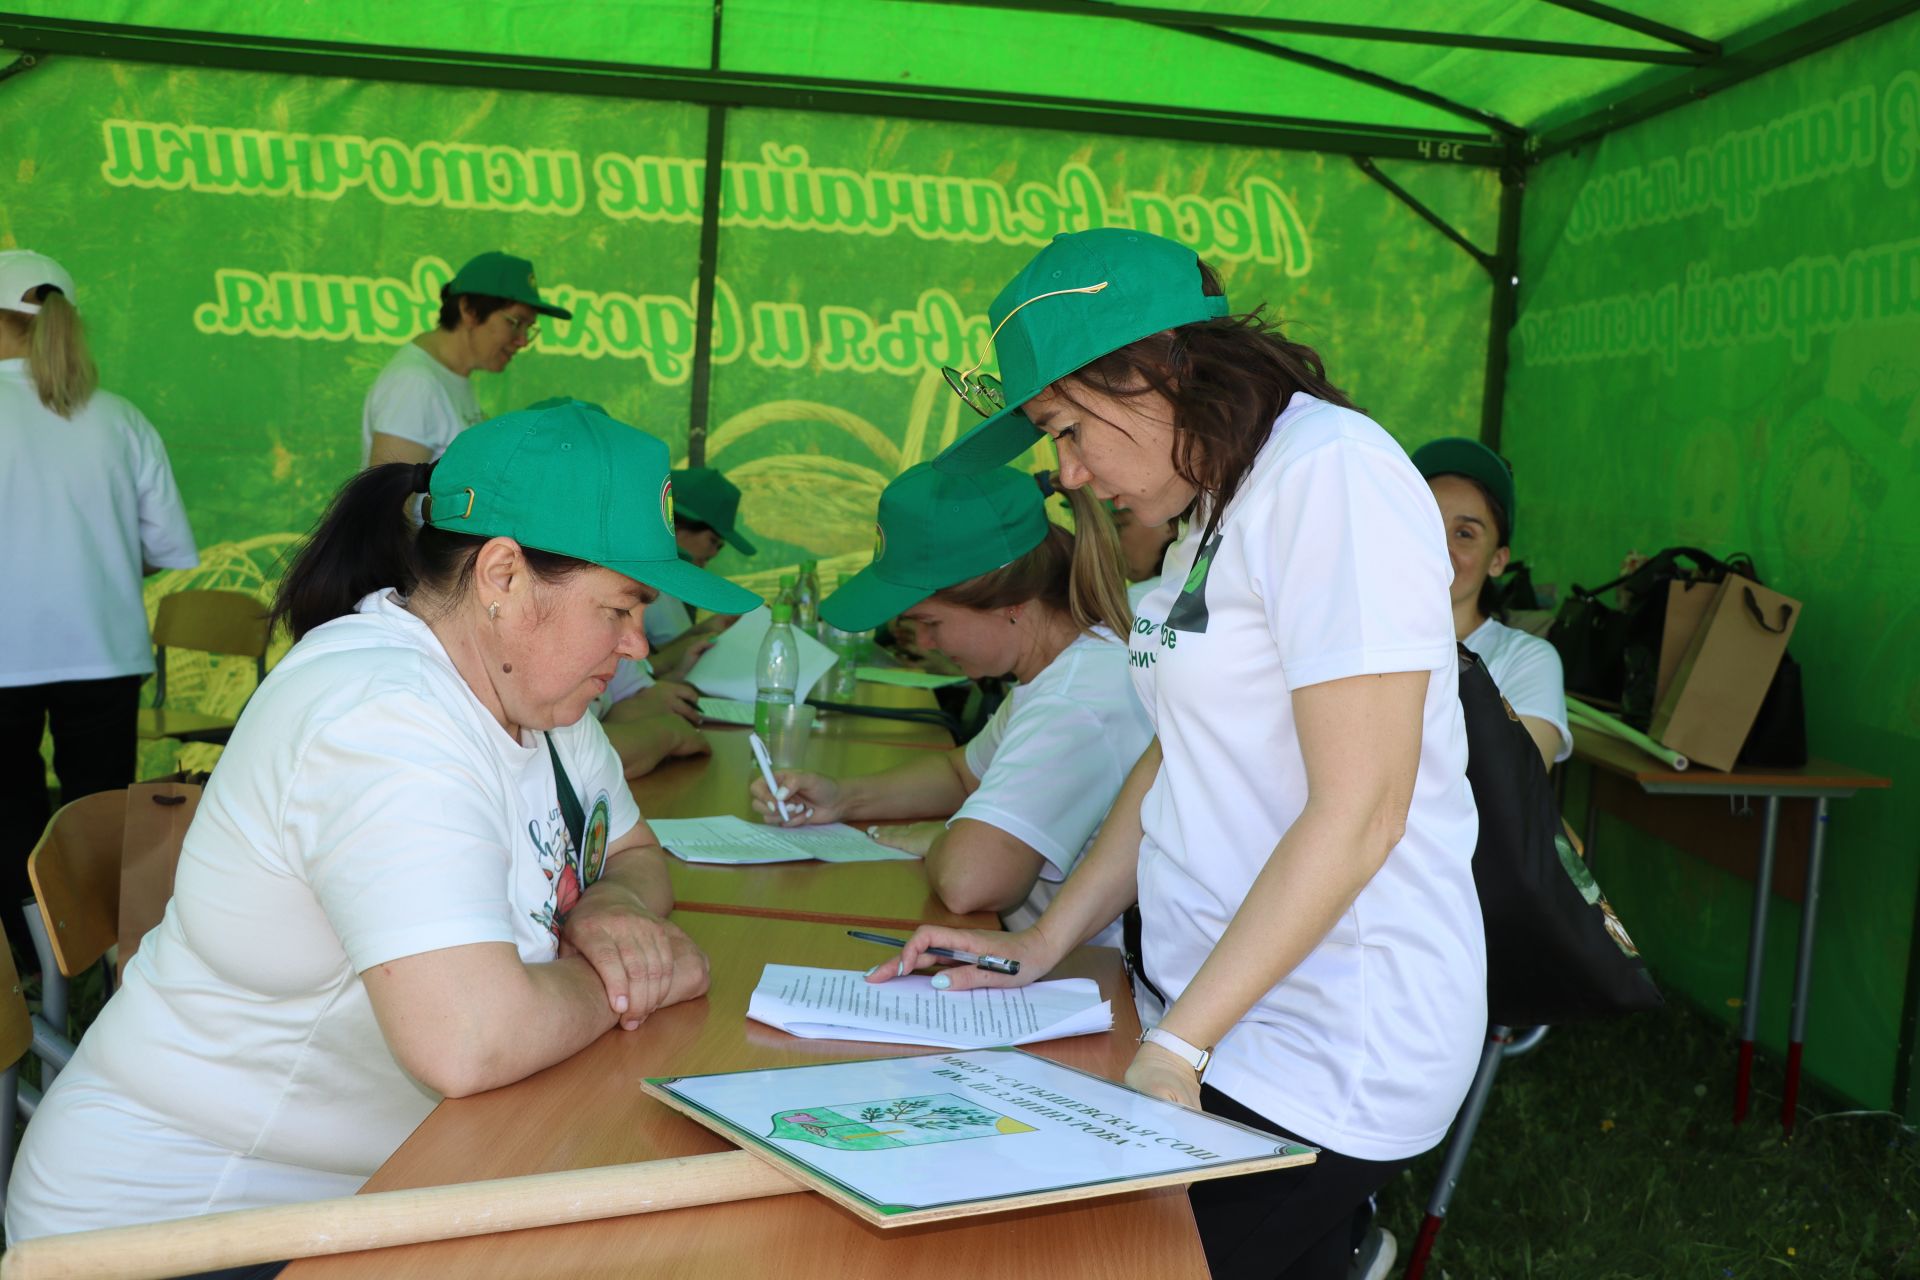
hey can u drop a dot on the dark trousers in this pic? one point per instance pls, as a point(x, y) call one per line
point(93, 750)
point(1291, 1224)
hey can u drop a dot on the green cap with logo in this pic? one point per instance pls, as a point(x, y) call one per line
point(705, 495)
point(501, 275)
point(568, 479)
point(1460, 456)
point(937, 530)
point(1045, 330)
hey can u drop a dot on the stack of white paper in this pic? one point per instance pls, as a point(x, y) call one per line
point(735, 840)
point(729, 669)
point(840, 1004)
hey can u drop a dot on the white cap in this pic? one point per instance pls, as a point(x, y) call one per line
point(23, 269)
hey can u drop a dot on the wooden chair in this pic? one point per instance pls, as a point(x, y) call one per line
point(227, 622)
point(16, 1038)
point(75, 871)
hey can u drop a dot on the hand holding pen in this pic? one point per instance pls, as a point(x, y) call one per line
point(1020, 958)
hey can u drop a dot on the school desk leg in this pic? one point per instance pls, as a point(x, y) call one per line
point(1803, 967)
point(1756, 958)
point(1459, 1142)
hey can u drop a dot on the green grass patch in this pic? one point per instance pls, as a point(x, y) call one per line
point(1609, 1153)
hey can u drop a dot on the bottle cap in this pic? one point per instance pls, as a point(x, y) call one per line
point(782, 611)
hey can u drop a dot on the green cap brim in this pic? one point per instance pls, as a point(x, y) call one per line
point(994, 443)
point(547, 309)
point(688, 583)
point(866, 600)
point(728, 534)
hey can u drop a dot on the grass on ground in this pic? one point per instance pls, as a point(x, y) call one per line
point(1608, 1153)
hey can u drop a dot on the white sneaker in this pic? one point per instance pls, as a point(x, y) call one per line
point(1375, 1256)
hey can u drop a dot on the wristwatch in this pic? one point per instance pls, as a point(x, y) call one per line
point(1195, 1058)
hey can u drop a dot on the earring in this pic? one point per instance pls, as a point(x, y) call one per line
point(493, 612)
point(1013, 619)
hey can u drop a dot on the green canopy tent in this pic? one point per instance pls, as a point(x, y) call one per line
point(1663, 261)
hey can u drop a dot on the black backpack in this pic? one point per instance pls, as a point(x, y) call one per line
point(1556, 952)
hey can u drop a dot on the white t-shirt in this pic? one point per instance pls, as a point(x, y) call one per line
point(629, 678)
point(83, 501)
point(419, 399)
point(1330, 562)
point(1527, 671)
point(1052, 758)
point(367, 808)
point(1138, 591)
point(665, 620)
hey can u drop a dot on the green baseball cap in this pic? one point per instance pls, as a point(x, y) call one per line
point(573, 481)
point(501, 275)
point(1460, 456)
point(937, 530)
point(705, 495)
point(1048, 322)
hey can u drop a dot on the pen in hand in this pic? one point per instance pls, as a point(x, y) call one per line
point(992, 964)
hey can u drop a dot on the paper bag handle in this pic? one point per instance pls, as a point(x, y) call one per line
point(1753, 607)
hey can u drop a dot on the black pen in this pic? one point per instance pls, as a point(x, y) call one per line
point(992, 964)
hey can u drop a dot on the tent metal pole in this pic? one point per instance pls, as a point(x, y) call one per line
point(741, 89)
point(700, 384)
point(1506, 304)
point(1634, 22)
point(1413, 202)
point(1338, 30)
point(19, 66)
point(1741, 62)
point(1372, 79)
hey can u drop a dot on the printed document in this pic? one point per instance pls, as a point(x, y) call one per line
point(840, 1004)
point(735, 840)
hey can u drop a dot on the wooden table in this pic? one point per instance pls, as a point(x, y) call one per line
point(893, 895)
point(589, 1111)
point(888, 697)
point(1818, 780)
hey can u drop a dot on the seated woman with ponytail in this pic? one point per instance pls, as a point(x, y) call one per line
point(974, 563)
point(417, 871)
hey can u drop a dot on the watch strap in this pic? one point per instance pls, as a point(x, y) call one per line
point(1193, 1056)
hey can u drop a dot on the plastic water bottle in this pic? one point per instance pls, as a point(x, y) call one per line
point(779, 671)
point(806, 598)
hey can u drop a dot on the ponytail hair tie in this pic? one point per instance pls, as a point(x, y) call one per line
point(422, 477)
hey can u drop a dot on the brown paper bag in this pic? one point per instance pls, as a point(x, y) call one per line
point(157, 817)
point(1715, 694)
point(1687, 602)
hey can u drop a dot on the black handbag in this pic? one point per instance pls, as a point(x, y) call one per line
point(1612, 656)
point(1778, 739)
point(1555, 949)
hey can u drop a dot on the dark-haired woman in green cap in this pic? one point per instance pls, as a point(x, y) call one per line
point(706, 517)
point(1474, 487)
point(1300, 836)
point(418, 871)
point(989, 581)
point(489, 313)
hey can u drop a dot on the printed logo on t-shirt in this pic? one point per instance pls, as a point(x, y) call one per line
point(569, 872)
point(1189, 611)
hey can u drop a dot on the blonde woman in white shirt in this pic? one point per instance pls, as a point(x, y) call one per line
point(88, 507)
point(1299, 838)
point(418, 871)
point(974, 563)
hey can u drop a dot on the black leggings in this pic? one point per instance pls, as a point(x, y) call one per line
point(1291, 1224)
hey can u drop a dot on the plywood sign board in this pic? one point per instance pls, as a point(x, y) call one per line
point(902, 1141)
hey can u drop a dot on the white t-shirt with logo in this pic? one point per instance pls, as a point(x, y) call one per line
point(1527, 671)
point(83, 502)
point(367, 808)
point(1330, 562)
point(1052, 758)
point(419, 399)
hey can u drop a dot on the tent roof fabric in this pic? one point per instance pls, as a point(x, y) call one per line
point(1490, 72)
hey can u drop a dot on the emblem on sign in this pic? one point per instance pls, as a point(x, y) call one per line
point(894, 1123)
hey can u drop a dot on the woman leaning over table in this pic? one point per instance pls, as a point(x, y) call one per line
point(989, 581)
point(417, 871)
point(1299, 835)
